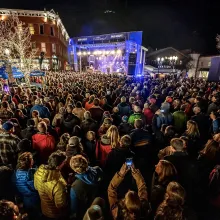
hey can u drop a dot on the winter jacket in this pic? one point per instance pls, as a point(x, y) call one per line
point(124, 109)
point(124, 128)
point(70, 120)
point(44, 144)
point(135, 116)
point(88, 125)
point(51, 187)
point(113, 194)
point(179, 121)
point(23, 181)
point(5, 115)
point(148, 113)
point(28, 133)
point(8, 149)
point(43, 111)
point(96, 113)
point(84, 190)
point(213, 107)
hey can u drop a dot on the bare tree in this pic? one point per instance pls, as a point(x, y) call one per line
point(218, 42)
point(15, 37)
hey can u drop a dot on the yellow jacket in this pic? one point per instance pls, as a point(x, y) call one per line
point(51, 187)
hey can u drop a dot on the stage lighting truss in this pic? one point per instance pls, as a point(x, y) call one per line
point(100, 52)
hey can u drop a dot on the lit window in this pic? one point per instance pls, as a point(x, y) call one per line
point(43, 47)
point(54, 48)
point(51, 31)
point(41, 29)
point(31, 28)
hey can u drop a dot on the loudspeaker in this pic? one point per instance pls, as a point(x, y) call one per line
point(214, 71)
point(132, 64)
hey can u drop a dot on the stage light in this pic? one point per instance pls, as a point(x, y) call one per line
point(162, 59)
point(100, 52)
point(158, 59)
point(113, 52)
point(79, 53)
point(95, 52)
point(119, 51)
point(89, 53)
point(84, 53)
point(174, 58)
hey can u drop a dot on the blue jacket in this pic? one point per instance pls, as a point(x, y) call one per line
point(124, 109)
point(23, 181)
point(43, 111)
point(83, 188)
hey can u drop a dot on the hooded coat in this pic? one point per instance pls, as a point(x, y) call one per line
point(83, 190)
point(51, 187)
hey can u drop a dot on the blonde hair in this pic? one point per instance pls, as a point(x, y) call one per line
point(79, 164)
point(192, 129)
point(113, 134)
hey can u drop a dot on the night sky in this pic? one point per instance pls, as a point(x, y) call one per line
point(183, 24)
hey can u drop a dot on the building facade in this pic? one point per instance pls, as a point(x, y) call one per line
point(49, 36)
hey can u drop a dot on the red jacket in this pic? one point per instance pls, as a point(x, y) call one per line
point(44, 144)
point(148, 115)
point(102, 152)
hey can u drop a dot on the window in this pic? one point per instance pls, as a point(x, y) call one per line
point(43, 47)
point(51, 31)
point(31, 28)
point(54, 48)
point(33, 45)
point(41, 29)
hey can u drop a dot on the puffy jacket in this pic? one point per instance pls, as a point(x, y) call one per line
point(84, 189)
point(135, 116)
point(43, 111)
point(124, 109)
point(44, 144)
point(51, 187)
point(23, 181)
point(179, 121)
point(70, 120)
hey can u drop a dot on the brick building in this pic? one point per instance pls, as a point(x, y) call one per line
point(48, 35)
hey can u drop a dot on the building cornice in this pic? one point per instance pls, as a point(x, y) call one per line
point(33, 13)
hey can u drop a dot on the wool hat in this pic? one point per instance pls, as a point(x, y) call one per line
point(8, 125)
point(125, 118)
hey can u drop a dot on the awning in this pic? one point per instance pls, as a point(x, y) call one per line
point(37, 73)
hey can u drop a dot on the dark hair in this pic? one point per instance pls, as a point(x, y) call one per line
point(125, 141)
point(24, 145)
point(96, 102)
point(5, 104)
point(7, 211)
point(170, 131)
point(24, 161)
point(78, 105)
point(77, 131)
point(56, 159)
point(138, 123)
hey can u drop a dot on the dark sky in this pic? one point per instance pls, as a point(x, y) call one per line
point(183, 24)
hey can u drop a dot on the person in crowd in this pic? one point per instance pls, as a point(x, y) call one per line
point(116, 118)
point(214, 105)
point(74, 147)
point(79, 111)
point(24, 146)
point(22, 119)
point(123, 107)
point(63, 142)
point(193, 135)
point(59, 117)
point(43, 143)
point(84, 189)
point(215, 123)
point(107, 123)
point(137, 115)
point(148, 114)
point(52, 187)
point(96, 111)
point(96, 210)
point(124, 128)
point(165, 172)
point(203, 123)
point(10, 211)
point(89, 103)
point(5, 112)
point(70, 120)
point(8, 145)
point(134, 205)
point(30, 130)
point(51, 131)
point(108, 141)
point(43, 110)
point(88, 124)
point(90, 146)
point(180, 119)
point(23, 181)
point(36, 117)
point(173, 206)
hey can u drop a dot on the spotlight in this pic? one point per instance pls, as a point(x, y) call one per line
point(119, 51)
point(113, 52)
point(88, 52)
point(84, 53)
point(158, 59)
point(100, 52)
point(95, 52)
point(79, 53)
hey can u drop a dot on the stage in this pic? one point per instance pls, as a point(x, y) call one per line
point(110, 53)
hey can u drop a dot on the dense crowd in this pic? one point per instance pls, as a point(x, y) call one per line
point(97, 146)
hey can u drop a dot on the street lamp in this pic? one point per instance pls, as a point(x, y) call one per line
point(159, 62)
